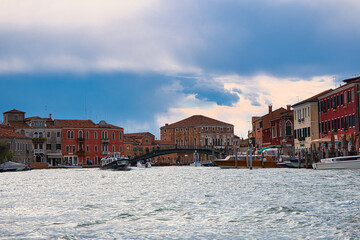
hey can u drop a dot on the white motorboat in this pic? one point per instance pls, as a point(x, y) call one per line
point(115, 162)
point(348, 162)
point(13, 166)
point(143, 164)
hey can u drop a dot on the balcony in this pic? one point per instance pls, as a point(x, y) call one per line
point(81, 139)
point(39, 140)
point(105, 140)
point(39, 151)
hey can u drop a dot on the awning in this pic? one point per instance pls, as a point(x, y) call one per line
point(321, 140)
point(264, 148)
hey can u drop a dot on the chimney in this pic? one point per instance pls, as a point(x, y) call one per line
point(288, 107)
point(270, 108)
point(166, 124)
point(50, 115)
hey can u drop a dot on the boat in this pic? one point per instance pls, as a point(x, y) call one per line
point(69, 166)
point(202, 164)
point(115, 162)
point(348, 162)
point(14, 166)
point(293, 163)
point(241, 162)
point(143, 164)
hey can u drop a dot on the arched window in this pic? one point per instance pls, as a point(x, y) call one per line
point(80, 134)
point(288, 129)
point(36, 135)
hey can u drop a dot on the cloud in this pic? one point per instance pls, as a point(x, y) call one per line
point(242, 37)
point(279, 93)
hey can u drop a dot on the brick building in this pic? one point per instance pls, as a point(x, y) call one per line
point(137, 144)
point(84, 142)
point(198, 131)
point(273, 128)
point(18, 144)
point(339, 113)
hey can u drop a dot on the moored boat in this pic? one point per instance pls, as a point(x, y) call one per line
point(115, 162)
point(143, 164)
point(231, 162)
point(69, 166)
point(13, 166)
point(348, 162)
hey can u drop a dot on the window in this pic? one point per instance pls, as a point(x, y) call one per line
point(80, 134)
point(353, 120)
point(68, 135)
point(337, 101)
point(308, 129)
point(87, 148)
point(73, 148)
point(104, 135)
point(342, 122)
point(295, 134)
point(206, 128)
point(273, 131)
point(349, 96)
point(113, 148)
point(95, 135)
point(186, 129)
point(350, 119)
point(308, 111)
point(345, 98)
point(288, 129)
point(120, 136)
point(96, 148)
point(120, 147)
point(48, 134)
point(58, 146)
point(294, 114)
point(341, 99)
point(87, 135)
point(180, 129)
point(352, 95)
point(58, 134)
point(48, 146)
point(67, 148)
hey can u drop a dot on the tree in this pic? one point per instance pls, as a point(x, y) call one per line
point(5, 151)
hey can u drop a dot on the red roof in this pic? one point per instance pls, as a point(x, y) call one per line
point(197, 120)
point(137, 135)
point(16, 124)
point(6, 133)
point(14, 111)
point(74, 123)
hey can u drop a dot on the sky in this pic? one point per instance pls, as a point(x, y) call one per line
point(142, 63)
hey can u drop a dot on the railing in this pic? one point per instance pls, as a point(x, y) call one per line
point(39, 151)
point(81, 139)
point(105, 140)
point(39, 140)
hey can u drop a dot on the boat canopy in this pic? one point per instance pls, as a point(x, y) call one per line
point(264, 148)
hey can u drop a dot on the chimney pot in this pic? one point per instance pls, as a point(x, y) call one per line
point(270, 108)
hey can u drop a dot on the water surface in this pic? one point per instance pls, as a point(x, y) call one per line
point(180, 203)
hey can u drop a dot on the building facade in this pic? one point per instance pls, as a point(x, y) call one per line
point(85, 143)
point(273, 128)
point(339, 113)
point(198, 131)
point(19, 145)
point(306, 121)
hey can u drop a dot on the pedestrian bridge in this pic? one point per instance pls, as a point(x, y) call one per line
point(208, 150)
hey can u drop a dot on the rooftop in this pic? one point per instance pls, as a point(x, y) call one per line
point(197, 120)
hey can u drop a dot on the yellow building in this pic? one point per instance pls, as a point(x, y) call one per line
point(306, 121)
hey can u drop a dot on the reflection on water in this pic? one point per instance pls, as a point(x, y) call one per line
point(180, 203)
